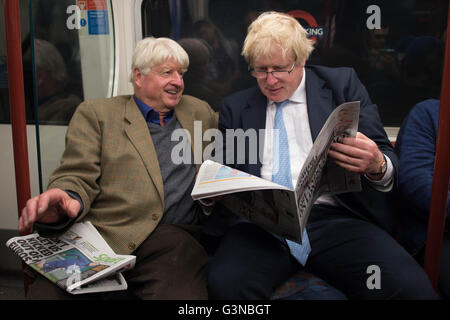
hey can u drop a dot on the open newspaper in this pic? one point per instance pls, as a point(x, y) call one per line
point(79, 261)
point(277, 208)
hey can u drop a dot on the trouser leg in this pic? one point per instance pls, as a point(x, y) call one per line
point(249, 264)
point(170, 264)
point(363, 260)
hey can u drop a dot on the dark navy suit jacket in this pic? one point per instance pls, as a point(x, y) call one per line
point(326, 89)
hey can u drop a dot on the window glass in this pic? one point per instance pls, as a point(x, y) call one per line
point(74, 55)
point(74, 61)
point(399, 62)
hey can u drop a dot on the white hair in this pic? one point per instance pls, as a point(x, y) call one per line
point(150, 52)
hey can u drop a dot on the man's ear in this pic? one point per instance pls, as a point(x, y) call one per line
point(137, 76)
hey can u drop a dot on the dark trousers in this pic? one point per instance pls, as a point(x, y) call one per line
point(250, 263)
point(170, 264)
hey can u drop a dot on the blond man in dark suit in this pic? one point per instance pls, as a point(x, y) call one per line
point(117, 171)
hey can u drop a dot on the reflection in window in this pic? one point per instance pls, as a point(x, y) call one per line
point(399, 64)
point(56, 104)
point(59, 87)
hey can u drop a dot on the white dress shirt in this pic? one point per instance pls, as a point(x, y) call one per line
point(296, 121)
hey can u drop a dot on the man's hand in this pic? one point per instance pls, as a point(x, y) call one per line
point(209, 202)
point(358, 154)
point(49, 207)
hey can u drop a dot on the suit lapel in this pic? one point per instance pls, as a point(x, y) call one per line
point(254, 117)
point(137, 131)
point(319, 101)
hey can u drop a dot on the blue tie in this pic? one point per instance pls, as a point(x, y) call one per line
point(282, 175)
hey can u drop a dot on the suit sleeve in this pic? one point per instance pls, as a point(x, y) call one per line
point(80, 163)
point(225, 122)
point(416, 148)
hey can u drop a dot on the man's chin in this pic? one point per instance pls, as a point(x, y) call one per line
point(172, 102)
point(275, 95)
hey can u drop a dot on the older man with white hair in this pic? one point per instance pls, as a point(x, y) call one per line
point(116, 172)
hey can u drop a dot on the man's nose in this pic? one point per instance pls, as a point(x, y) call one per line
point(177, 79)
point(270, 78)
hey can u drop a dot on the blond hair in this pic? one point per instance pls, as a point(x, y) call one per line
point(275, 28)
point(150, 52)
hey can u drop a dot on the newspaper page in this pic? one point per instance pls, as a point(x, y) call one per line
point(77, 258)
point(114, 282)
point(216, 179)
point(269, 205)
point(274, 207)
point(319, 174)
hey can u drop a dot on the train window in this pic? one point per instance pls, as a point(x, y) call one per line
point(74, 55)
point(396, 47)
point(73, 50)
point(74, 61)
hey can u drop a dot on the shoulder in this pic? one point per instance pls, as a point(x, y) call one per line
point(199, 109)
point(101, 110)
point(243, 95)
point(191, 102)
point(194, 105)
point(424, 114)
point(105, 104)
point(240, 100)
point(421, 123)
point(331, 74)
point(429, 107)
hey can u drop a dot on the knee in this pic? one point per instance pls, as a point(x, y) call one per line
point(417, 286)
point(224, 282)
point(184, 250)
point(410, 282)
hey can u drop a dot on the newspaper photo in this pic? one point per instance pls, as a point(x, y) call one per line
point(276, 208)
point(79, 261)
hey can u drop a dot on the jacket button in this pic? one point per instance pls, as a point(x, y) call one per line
point(132, 246)
point(155, 216)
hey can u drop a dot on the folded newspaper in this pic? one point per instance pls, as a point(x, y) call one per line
point(274, 207)
point(80, 261)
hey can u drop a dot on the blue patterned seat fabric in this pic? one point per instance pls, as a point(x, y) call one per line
point(305, 286)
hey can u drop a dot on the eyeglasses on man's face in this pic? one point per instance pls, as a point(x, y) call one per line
point(279, 74)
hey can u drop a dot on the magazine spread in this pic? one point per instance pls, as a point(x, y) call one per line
point(79, 261)
point(276, 208)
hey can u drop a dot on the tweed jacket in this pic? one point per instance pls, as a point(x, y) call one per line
point(111, 162)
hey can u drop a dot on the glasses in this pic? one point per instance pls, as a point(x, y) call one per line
point(279, 74)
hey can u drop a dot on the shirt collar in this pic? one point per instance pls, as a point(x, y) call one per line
point(299, 95)
point(150, 115)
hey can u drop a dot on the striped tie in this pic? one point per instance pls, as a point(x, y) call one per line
point(282, 175)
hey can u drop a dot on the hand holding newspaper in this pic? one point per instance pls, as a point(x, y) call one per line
point(276, 208)
point(79, 261)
